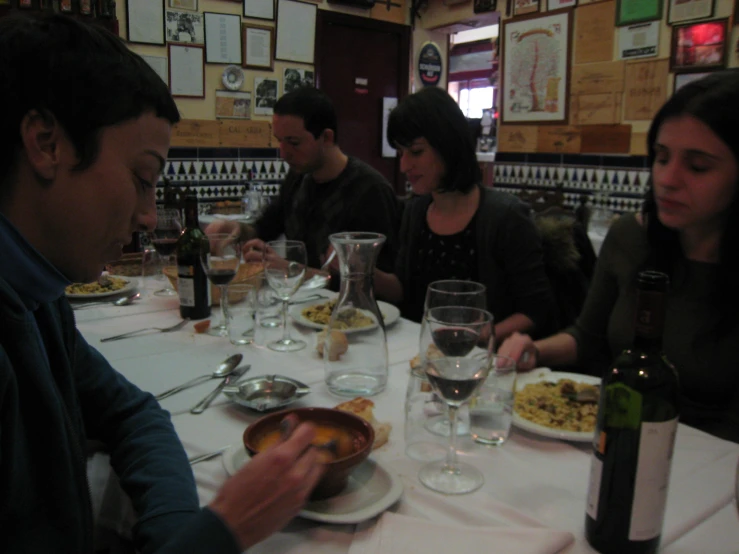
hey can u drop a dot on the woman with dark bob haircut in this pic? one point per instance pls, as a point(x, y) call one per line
point(453, 228)
point(689, 229)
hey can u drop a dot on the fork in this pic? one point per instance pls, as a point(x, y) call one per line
point(175, 327)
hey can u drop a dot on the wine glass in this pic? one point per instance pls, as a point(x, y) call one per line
point(457, 366)
point(284, 269)
point(220, 255)
point(164, 239)
point(449, 292)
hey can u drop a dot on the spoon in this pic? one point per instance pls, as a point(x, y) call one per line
point(223, 370)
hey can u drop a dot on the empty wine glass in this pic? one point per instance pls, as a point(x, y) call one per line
point(164, 238)
point(460, 346)
point(220, 255)
point(449, 292)
point(284, 268)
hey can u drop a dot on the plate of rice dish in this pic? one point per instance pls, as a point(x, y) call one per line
point(542, 405)
point(316, 315)
point(106, 285)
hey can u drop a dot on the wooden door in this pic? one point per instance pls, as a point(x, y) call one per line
point(359, 61)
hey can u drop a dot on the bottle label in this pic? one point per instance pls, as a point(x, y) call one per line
point(596, 474)
point(186, 291)
point(656, 444)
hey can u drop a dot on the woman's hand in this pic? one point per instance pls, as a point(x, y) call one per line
point(523, 351)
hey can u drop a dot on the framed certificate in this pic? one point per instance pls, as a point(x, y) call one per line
point(259, 44)
point(296, 31)
point(222, 38)
point(688, 10)
point(259, 9)
point(145, 21)
point(186, 70)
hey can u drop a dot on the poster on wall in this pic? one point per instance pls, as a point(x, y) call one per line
point(185, 27)
point(638, 41)
point(388, 104)
point(429, 64)
point(536, 58)
point(265, 91)
point(293, 79)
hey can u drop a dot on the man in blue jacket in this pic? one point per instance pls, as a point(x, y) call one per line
point(83, 140)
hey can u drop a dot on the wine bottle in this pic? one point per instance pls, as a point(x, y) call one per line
point(634, 435)
point(193, 287)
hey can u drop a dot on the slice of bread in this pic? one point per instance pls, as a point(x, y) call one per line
point(363, 407)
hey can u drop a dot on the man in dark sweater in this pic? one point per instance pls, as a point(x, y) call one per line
point(325, 191)
point(85, 134)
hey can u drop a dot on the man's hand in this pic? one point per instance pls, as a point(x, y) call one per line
point(223, 226)
point(270, 490)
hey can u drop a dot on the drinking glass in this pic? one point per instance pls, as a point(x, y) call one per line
point(284, 268)
point(164, 239)
point(491, 409)
point(461, 341)
point(220, 255)
point(450, 292)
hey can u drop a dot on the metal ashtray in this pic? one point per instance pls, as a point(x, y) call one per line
point(267, 392)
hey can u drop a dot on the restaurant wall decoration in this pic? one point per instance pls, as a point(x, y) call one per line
point(536, 61)
point(629, 12)
point(523, 7)
point(680, 11)
point(697, 47)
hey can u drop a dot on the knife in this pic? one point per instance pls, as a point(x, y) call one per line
point(200, 407)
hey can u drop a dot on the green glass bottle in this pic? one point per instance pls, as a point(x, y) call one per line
point(193, 287)
point(635, 435)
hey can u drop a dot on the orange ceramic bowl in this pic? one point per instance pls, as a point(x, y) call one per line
point(353, 435)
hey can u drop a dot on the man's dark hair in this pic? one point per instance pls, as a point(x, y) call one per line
point(312, 106)
point(77, 73)
point(434, 115)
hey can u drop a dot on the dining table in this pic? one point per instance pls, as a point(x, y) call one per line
point(534, 484)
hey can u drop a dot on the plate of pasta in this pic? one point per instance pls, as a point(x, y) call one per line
point(106, 285)
point(316, 315)
point(542, 405)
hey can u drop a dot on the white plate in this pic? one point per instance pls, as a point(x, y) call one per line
point(371, 490)
point(546, 374)
point(129, 286)
point(390, 312)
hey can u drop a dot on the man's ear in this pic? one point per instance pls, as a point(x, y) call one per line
point(40, 136)
point(328, 136)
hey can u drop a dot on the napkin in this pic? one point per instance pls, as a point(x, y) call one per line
point(400, 534)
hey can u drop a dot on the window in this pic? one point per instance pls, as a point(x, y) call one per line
point(473, 96)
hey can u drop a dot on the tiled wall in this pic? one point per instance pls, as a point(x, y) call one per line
point(615, 183)
point(217, 174)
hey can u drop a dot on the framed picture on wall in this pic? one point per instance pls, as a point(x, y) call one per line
point(682, 79)
point(186, 70)
point(233, 104)
point(296, 31)
point(191, 5)
point(523, 7)
point(629, 12)
point(697, 47)
point(222, 38)
point(259, 9)
point(557, 4)
point(145, 21)
point(689, 10)
point(265, 92)
point(536, 61)
point(259, 45)
point(185, 27)
point(293, 79)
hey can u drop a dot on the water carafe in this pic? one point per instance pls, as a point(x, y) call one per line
point(355, 349)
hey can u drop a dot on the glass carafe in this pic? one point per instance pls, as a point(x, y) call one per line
point(355, 349)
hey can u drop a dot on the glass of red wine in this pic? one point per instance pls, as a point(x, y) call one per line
point(450, 292)
point(220, 255)
point(164, 239)
point(459, 345)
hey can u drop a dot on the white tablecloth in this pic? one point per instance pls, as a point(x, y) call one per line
point(541, 480)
